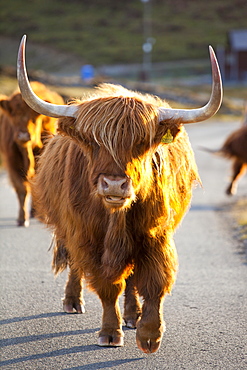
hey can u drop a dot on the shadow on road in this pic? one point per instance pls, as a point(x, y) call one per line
point(32, 317)
point(67, 351)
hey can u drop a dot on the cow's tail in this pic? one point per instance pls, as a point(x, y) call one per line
point(223, 152)
point(212, 151)
point(60, 256)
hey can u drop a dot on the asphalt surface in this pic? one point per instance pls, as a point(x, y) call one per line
point(205, 316)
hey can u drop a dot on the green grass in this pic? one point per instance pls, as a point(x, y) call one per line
point(110, 31)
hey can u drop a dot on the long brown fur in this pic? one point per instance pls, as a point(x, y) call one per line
point(234, 148)
point(23, 133)
point(117, 132)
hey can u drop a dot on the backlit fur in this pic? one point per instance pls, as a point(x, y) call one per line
point(235, 148)
point(116, 132)
point(23, 133)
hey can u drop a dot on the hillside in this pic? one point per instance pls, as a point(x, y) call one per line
point(110, 31)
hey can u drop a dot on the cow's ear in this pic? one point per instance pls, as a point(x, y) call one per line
point(167, 133)
point(5, 105)
point(66, 127)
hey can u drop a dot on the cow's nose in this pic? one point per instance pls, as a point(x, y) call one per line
point(23, 136)
point(115, 190)
point(112, 185)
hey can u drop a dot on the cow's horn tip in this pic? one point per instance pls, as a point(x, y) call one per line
point(23, 39)
point(211, 51)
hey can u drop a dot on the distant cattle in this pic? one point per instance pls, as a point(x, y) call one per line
point(113, 185)
point(235, 149)
point(22, 136)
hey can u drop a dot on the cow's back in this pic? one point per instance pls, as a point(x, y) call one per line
point(11, 155)
point(44, 93)
point(6, 133)
point(236, 144)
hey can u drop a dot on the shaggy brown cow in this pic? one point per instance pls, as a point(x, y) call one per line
point(235, 148)
point(113, 185)
point(22, 135)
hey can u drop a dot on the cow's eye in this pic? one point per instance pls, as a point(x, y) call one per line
point(140, 148)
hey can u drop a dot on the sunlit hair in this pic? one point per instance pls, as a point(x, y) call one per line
point(118, 119)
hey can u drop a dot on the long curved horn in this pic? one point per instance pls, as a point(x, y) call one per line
point(199, 114)
point(38, 105)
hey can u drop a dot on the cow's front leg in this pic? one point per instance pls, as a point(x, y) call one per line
point(23, 216)
point(21, 187)
point(73, 301)
point(111, 333)
point(151, 326)
point(154, 276)
point(132, 307)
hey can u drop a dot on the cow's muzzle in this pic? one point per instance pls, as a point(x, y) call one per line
point(116, 191)
point(23, 137)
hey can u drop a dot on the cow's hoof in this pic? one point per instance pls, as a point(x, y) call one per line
point(130, 323)
point(228, 192)
point(231, 190)
point(73, 308)
point(24, 223)
point(148, 346)
point(148, 340)
point(109, 341)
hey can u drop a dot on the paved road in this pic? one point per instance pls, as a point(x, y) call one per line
point(206, 314)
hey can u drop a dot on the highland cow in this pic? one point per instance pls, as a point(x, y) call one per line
point(235, 149)
point(113, 185)
point(23, 133)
